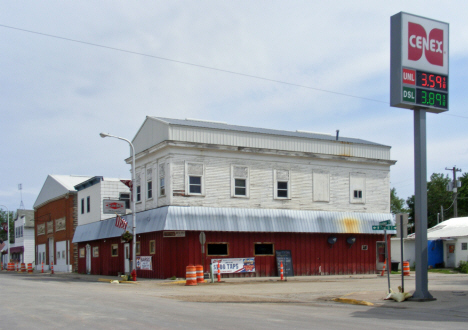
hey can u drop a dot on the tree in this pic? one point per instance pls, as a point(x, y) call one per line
point(3, 219)
point(437, 196)
point(463, 196)
point(397, 204)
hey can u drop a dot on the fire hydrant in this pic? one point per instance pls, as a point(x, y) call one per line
point(133, 273)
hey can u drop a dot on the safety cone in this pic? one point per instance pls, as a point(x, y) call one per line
point(51, 267)
point(219, 273)
point(42, 271)
point(282, 277)
point(384, 266)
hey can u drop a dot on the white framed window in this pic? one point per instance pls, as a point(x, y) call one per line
point(357, 188)
point(88, 204)
point(194, 179)
point(162, 180)
point(282, 184)
point(240, 181)
point(82, 206)
point(149, 183)
point(321, 186)
point(138, 188)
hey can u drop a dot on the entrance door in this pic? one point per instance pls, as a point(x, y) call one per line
point(88, 259)
point(450, 256)
point(127, 257)
point(51, 251)
point(380, 255)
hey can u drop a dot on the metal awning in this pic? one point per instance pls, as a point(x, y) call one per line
point(182, 218)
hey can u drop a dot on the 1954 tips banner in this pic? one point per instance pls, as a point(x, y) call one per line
point(234, 265)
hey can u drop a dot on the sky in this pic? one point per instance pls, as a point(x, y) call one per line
point(70, 70)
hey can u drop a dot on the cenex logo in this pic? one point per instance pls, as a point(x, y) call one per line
point(419, 43)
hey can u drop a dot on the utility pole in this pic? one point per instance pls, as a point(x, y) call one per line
point(455, 189)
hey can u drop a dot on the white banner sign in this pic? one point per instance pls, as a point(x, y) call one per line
point(113, 207)
point(144, 263)
point(234, 265)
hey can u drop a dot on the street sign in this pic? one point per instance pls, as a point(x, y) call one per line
point(383, 227)
point(386, 222)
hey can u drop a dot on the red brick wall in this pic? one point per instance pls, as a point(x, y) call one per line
point(65, 207)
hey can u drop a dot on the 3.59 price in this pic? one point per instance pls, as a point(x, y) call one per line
point(431, 80)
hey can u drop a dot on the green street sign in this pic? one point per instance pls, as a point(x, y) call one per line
point(383, 227)
point(386, 222)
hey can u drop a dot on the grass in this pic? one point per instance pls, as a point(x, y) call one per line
point(442, 271)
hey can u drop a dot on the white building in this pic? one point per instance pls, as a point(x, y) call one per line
point(453, 235)
point(91, 194)
point(22, 250)
point(197, 163)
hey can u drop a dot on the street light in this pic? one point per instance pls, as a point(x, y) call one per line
point(103, 135)
point(8, 231)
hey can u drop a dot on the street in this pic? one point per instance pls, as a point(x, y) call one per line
point(75, 301)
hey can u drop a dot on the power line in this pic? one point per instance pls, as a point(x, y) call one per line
point(188, 63)
point(203, 66)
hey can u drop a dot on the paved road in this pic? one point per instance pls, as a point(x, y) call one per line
point(78, 301)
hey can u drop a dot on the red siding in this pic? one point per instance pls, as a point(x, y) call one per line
point(311, 253)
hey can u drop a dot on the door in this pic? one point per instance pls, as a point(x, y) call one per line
point(380, 249)
point(51, 251)
point(127, 257)
point(450, 256)
point(88, 259)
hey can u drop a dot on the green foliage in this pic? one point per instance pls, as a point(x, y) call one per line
point(437, 195)
point(463, 267)
point(3, 219)
point(397, 204)
point(463, 196)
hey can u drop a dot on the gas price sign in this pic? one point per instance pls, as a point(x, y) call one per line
point(419, 63)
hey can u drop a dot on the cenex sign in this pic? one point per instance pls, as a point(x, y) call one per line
point(419, 65)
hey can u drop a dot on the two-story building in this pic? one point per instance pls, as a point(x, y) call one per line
point(55, 220)
point(23, 250)
point(249, 192)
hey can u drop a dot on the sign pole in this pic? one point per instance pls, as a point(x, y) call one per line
point(420, 206)
point(386, 258)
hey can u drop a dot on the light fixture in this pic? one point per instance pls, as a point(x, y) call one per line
point(331, 240)
point(351, 240)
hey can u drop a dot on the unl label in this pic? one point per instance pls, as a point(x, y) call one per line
point(409, 94)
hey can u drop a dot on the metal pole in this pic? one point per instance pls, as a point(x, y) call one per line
point(386, 258)
point(8, 231)
point(103, 135)
point(401, 250)
point(420, 206)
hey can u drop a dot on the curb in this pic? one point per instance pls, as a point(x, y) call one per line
point(353, 301)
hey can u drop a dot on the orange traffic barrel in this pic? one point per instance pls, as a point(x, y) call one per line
point(406, 270)
point(200, 278)
point(23, 267)
point(191, 275)
point(11, 267)
point(30, 269)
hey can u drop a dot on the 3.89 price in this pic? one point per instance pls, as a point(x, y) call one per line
point(430, 98)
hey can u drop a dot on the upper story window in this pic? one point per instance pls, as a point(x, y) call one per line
point(138, 193)
point(149, 183)
point(82, 206)
point(88, 204)
point(357, 188)
point(194, 178)
point(125, 197)
point(321, 186)
point(162, 181)
point(138, 188)
point(282, 184)
point(239, 181)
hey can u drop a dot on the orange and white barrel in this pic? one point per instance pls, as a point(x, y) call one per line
point(30, 268)
point(406, 269)
point(11, 267)
point(23, 267)
point(199, 270)
point(191, 275)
